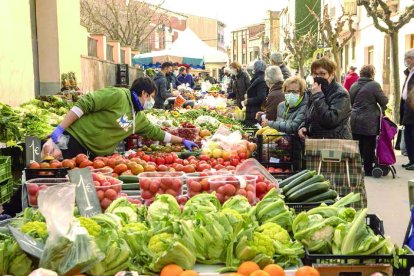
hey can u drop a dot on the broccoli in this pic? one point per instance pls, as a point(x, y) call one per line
point(275, 232)
point(35, 229)
point(93, 228)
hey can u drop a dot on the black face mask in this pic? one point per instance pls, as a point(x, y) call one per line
point(322, 81)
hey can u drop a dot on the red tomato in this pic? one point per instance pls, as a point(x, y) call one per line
point(162, 168)
point(176, 184)
point(146, 158)
point(105, 203)
point(194, 186)
point(32, 189)
point(261, 188)
point(100, 194)
point(204, 157)
point(159, 161)
point(203, 167)
point(146, 194)
point(111, 194)
point(220, 161)
point(229, 189)
point(179, 161)
point(154, 186)
point(169, 159)
point(234, 162)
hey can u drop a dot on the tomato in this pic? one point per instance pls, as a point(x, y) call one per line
point(149, 168)
point(226, 163)
point(104, 186)
point(105, 202)
point(154, 187)
point(220, 161)
point(179, 161)
point(176, 184)
point(189, 169)
point(111, 194)
point(169, 159)
point(260, 178)
point(204, 157)
point(120, 168)
point(35, 165)
point(100, 194)
point(159, 161)
point(32, 189)
point(97, 164)
point(203, 167)
point(181, 200)
point(80, 158)
point(194, 186)
point(146, 194)
point(146, 158)
point(204, 184)
point(179, 168)
point(218, 167)
point(162, 168)
point(261, 188)
point(97, 183)
point(241, 192)
point(234, 162)
point(229, 189)
point(171, 192)
point(193, 162)
point(33, 200)
point(192, 157)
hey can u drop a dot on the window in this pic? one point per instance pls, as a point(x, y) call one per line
point(122, 61)
point(370, 55)
point(244, 58)
point(92, 47)
point(353, 49)
point(109, 52)
point(157, 41)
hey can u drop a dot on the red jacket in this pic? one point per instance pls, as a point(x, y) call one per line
point(350, 79)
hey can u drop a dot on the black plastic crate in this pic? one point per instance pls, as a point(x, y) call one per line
point(305, 206)
point(278, 149)
point(45, 173)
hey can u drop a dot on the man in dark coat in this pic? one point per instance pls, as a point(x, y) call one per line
point(241, 82)
point(185, 77)
point(366, 94)
point(256, 93)
point(407, 108)
point(161, 82)
point(329, 107)
point(277, 59)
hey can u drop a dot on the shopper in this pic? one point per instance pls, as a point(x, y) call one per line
point(365, 95)
point(161, 84)
point(256, 93)
point(274, 80)
point(226, 80)
point(172, 77)
point(241, 82)
point(291, 112)
point(277, 59)
point(101, 119)
point(329, 107)
point(184, 77)
point(407, 108)
point(350, 78)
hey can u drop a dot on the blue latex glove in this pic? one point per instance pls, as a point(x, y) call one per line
point(189, 145)
point(57, 133)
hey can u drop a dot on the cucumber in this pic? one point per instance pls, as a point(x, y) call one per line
point(286, 181)
point(298, 180)
point(309, 191)
point(128, 178)
point(330, 194)
point(313, 179)
point(130, 186)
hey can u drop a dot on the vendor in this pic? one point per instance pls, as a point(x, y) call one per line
point(184, 77)
point(101, 119)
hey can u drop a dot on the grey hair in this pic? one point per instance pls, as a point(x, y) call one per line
point(273, 75)
point(276, 58)
point(410, 53)
point(259, 66)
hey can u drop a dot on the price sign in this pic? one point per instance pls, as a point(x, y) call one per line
point(33, 150)
point(27, 243)
point(86, 198)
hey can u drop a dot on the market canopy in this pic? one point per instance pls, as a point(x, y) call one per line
point(188, 49)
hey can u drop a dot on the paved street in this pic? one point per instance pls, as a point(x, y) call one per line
point(388, 198)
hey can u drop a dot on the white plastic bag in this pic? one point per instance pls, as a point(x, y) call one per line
point(50, 149)
point(69, 250)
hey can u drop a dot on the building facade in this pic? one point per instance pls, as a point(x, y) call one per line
point(209, 30)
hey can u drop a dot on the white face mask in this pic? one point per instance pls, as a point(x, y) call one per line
point(291, 99)
point(149, 104)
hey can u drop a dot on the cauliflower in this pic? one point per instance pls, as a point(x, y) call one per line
point(135, 227)
point(93, 228)
point(248, 249)
point(275, 232)
point(160, 242)
point(35, 229)
point(326, 233)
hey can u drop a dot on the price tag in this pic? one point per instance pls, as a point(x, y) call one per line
point(27, 243)
point(274, 160)
point(86, 198)
point(33, 150)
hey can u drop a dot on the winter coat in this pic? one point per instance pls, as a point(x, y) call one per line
point(285, 71)
point(365, 115)
point(163, 93)
point(328, 113)
point(288, 121)
point(171, 79)
point(273, 100)
point(350, 79)
point(406, 106)
point(256, 95)
point(240, 85)
point(187, 79)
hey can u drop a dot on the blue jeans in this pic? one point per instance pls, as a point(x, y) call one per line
point(409, 141)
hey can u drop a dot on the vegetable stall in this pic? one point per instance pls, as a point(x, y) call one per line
point(227, 208)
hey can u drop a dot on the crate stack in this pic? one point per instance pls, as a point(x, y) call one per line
point(6, 179)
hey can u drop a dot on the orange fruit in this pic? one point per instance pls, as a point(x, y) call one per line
point(189, 273)
point(234, 274)
point(247, 267)
point(307, 271)
point(171, 270)
point(274, 270)
point(259, 273)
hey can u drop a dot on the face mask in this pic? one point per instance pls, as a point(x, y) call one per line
point(232, 72)
point(291, 99)
point(407, 64)
point(149, 104)
point(176, 72)
point(322, 81)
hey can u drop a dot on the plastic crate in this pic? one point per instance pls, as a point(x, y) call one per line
point(5, 168)
point(300, 207)
point(6, 190)
point(45, 173)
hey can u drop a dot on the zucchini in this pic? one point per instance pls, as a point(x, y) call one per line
point(128, 178)
point(330, 194)
point(286, 181)
point(309, 191)
point(298, 180)
point(313, 179)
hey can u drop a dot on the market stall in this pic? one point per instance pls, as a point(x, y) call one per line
point(237, 204)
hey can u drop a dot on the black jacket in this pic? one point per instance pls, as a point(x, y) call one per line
point(256, 95)
point(240, 85)
point(163, 93)
point(328, 113)
point(171, 79)
point(365, 116)
point(285, 71)
point(406, 112)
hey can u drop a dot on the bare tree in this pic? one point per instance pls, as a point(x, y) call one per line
point(300, 47)
point(382, 14)
point(333, 33)
point(130, 22)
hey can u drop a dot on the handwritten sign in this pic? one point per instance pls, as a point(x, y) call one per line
point(86, 198)
point(27, 243)
point(33, 150)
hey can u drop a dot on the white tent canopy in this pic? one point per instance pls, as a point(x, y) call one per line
point(189, 44)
